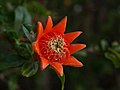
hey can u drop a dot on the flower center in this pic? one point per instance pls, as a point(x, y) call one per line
point(56, 44)
point(53, 47)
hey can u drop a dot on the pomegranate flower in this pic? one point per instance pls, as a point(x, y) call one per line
point(53, 46)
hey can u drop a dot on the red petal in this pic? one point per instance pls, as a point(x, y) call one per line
point(71, 61)
point(58, 67)
point(39, 30)
point(49, 24)
point(69, 37)
point(75, 47)
point(44, 63)
point(60, 27)
point(35, 47)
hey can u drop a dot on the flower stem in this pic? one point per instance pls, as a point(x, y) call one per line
point(62, 79)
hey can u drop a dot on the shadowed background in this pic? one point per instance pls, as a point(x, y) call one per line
point(99, 20)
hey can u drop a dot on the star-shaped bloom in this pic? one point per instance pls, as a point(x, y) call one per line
point(54, 48)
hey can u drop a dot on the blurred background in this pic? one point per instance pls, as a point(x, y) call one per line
point(99, 20)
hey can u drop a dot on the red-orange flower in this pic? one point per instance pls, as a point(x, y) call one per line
point(53, 46)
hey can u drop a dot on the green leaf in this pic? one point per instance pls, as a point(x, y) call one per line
point(29, 68)
point(11, 61)
point(21, 16)
point(27, 33)
point(116, 46)
point(114, 52)
point(104, 45)
point(62, 79)
point(12, 35)
point(115, 60)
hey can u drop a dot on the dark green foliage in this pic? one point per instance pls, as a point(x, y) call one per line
point(113, 54)
point(27, 34)
point(30, 68)
point(11, 61)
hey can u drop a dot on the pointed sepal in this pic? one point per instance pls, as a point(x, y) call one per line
point(39, 30)
point(71, 61)
point(75, 47)
point(35, 47)
point(49, 24)
point(58, 67)
point(69, 37)
point(60, 27)
point(44, 63)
